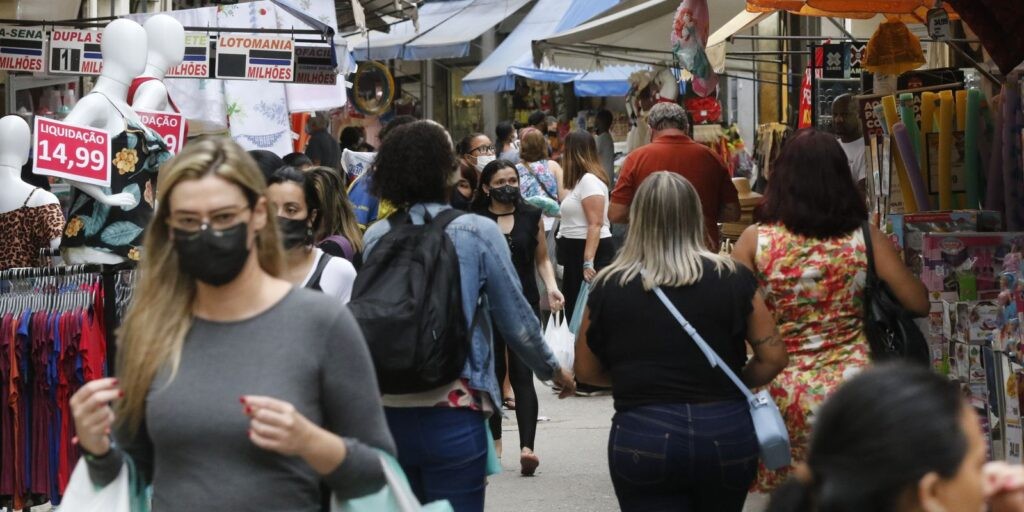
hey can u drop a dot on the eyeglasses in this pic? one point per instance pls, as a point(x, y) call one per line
point(485, 149)
point(220, 220)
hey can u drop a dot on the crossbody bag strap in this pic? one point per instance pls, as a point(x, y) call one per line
point(709, 352)
point(869, 249)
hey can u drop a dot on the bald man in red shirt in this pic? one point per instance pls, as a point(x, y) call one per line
point(672, 150)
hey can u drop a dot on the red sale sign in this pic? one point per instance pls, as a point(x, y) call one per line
point(168, 125)
point(75, 153)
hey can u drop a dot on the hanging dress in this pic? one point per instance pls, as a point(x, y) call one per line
point(136, 156)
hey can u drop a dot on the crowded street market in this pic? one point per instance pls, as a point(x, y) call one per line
point(347, 255)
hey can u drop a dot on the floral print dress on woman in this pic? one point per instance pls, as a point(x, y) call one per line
point(815, 289)
point(137, 154)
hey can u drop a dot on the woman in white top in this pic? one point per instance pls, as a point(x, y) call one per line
point(584, 235)
point(299, 208)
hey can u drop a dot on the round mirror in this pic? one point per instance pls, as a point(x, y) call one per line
point(373, 88)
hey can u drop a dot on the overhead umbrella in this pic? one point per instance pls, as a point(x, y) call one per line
point(998, 25)
point(904, 10)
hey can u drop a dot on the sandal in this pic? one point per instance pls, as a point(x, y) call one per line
point(509, 404)
point(528, 463)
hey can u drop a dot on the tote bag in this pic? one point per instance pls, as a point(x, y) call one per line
point(772, 435)
point(396, 496)
point(126, 493)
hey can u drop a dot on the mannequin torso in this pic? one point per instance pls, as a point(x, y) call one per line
point(166, 49)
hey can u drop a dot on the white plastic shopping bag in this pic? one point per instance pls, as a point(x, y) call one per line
point(561, 340)
point(123, 494)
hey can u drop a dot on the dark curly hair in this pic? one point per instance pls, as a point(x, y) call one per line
point(414, 164)
point(811, 190)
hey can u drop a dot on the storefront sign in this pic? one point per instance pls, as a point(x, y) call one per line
point(855, 54)
point(168, 125)
point(75, 52)
point(314, 65)
point(256, 58)
point(71, 152)
point(806, 94)
point(835, 60)
point(21, 48)
point(196, 63)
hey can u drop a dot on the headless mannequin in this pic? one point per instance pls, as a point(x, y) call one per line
point(124, 57)
point(166, 40)
point(15, 145)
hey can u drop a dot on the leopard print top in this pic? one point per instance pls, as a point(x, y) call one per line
point(26, 230)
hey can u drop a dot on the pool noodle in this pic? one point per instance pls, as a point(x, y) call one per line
point(906, 148)
point(891, 118)
point(946, 120)
point(961, 110)
point(910, 124)
point(971, 160)
point(928, 100)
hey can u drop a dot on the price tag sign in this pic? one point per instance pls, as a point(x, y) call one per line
point(196, 63)
point(313, 65)
point(255, 58)
point(21, 48)
point(71, 152)
point(938, 24)
point(75, 52)
point(168, 125)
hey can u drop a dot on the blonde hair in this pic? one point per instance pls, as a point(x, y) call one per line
point(666, 241)
point(154, 328)
point(337, 215)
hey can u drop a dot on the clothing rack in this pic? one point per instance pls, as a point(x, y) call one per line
point(115, 298)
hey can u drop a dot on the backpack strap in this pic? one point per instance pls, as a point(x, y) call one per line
point(321, 265)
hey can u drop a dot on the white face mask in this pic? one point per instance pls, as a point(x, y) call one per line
point(483, 160)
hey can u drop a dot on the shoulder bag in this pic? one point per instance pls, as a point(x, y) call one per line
point(889, 327)
point(772, 435)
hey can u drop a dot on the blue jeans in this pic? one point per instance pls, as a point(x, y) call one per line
point(683, 457)
point(443, 452)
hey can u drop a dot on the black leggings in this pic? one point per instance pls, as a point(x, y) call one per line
point(521, 378)
point(570, 256)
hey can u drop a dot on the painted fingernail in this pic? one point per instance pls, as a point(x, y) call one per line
point(115, 382)
point(241, 399)
point(74, 440)
point(120, 394)
point(248, 410)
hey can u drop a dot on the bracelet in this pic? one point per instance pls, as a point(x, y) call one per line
point(588, 264)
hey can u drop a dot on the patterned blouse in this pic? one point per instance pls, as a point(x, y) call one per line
point(26, 230)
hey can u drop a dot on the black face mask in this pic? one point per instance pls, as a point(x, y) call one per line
point(295, 232)
point(213, 257)
point(459, 201)
point(507, 194)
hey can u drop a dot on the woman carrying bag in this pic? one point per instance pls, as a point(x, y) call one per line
point(682, 437)
point(234, 388)
point(498, 199)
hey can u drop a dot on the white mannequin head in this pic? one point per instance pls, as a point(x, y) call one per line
point(124, 50)
point(15, 142)
point(166, 39)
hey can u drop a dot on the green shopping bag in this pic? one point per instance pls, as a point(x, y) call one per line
point(396, 496)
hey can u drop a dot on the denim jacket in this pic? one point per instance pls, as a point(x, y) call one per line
point(488, 277)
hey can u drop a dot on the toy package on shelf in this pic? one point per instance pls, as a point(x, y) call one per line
point(971, 322)
point(968, 264)
point(906, 230)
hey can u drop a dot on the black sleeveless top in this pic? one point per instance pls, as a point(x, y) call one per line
point(522, 241)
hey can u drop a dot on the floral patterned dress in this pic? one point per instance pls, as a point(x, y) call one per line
point(136, 155)
point(815, 289)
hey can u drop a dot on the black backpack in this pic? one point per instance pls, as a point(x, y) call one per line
point(407, 298)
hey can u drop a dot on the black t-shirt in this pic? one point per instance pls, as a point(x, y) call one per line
point(651, 359)
point(324, 149)
point(522, 241)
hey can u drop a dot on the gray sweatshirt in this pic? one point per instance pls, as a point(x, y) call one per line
point(193, 445)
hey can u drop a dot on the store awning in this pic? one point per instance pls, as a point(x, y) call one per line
point(634, 32)
point(377, 45)
point(451, 38)
point(719, 40)
point(610, 81)
point(373, 14)
point(513, 56)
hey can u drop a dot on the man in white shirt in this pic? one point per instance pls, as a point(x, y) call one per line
point(846, 123)
point(605, 144)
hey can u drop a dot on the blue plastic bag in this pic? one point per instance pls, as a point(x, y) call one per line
point(581, 306)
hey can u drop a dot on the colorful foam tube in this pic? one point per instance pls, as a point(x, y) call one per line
point(906, 147)
point(928, 101)
point(909, 118)
point(971, 157)
point(891, 118)
point(961, 110)
point(946, 126)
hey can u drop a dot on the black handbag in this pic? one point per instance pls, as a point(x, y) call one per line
point(889, 327)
